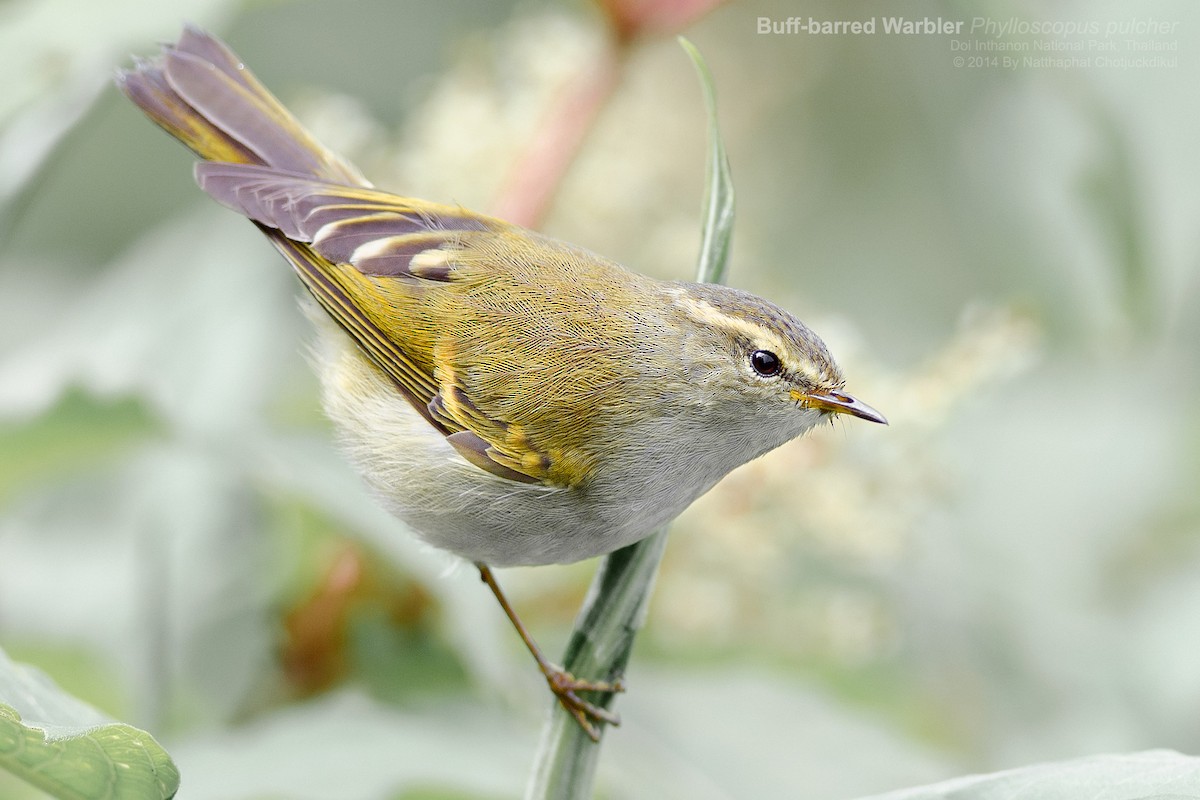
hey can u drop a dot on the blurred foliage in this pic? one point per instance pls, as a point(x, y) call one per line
point(59, 744)
point(1005, 263)
point(1162, 775)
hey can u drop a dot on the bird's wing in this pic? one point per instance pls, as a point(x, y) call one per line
point(362, 252)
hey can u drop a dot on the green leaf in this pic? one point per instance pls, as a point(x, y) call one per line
point(69, 749)
point(1152, 775)
point(717, 233)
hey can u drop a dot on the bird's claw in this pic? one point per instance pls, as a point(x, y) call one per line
point(566, 688)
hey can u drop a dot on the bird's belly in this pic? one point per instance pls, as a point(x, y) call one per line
point(484, 518)
point(454, 505)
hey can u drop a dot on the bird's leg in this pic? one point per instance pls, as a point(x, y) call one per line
point(564, 685)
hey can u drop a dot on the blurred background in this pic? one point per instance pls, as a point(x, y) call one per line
point(1006, 262)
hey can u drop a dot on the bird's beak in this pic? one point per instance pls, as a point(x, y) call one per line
point(839, 403)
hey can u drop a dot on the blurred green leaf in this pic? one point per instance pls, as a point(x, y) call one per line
point(1153, 775)
point(78, 433)
point(347, 746)
point(59, 55)
point(718, 733)
point(69, 749)
point(1110, 191)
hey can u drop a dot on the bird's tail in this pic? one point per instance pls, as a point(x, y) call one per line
point(201, 93)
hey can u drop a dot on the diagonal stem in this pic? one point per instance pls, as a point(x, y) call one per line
point(600, 645)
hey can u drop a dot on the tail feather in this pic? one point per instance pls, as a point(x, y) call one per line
point(147, 86)
point(200, 92)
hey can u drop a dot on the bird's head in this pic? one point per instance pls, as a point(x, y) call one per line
point(758, 360)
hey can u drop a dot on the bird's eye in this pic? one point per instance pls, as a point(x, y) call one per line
point(765, 363)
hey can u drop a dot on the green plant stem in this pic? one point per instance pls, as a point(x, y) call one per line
point(615, 608)
point(600, 645)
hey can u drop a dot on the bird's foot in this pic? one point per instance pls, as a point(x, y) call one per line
point(566, 688)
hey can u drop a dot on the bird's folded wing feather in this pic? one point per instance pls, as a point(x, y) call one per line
point(349, 244)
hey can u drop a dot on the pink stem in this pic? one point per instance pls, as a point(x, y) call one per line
point(539, 170)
